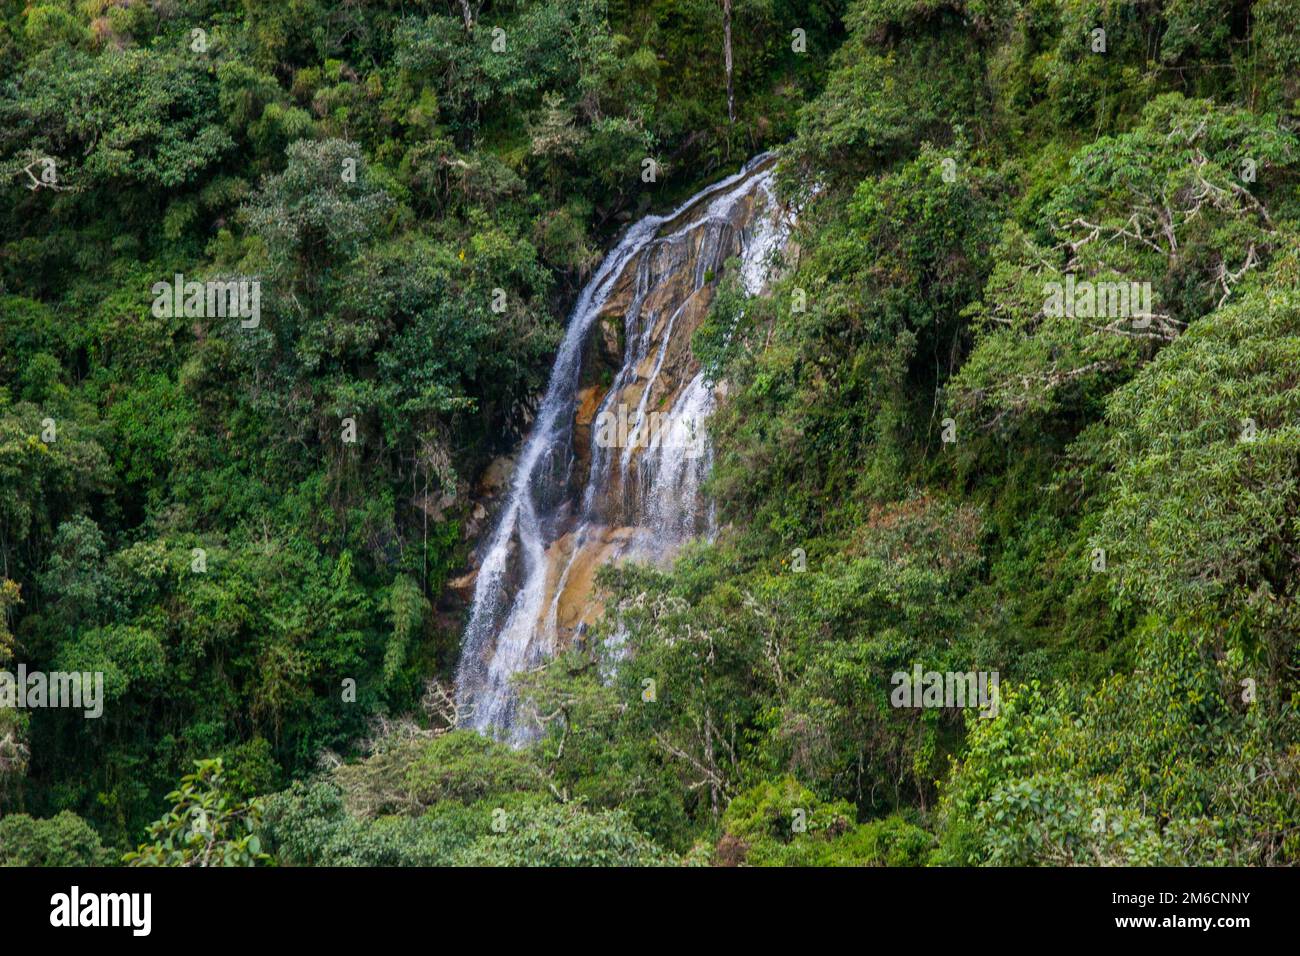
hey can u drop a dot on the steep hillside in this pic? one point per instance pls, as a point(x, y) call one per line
point(1020, 406)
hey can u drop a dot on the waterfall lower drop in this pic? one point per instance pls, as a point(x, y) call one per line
point(578, 500)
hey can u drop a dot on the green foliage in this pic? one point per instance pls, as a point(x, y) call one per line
point(858, 543)
point(1200, 507)
point(549, 834)
point(63, 840)
point(118, 134)
point(783, 824)
point(917, 462)
point(205, 826)
point(452, 800)
point(312, 214)
point(308, 825)
point(409, 608)
point(1161, 205)
point(14, 749)
point(891, 841)
point(828, 411)
point(1167, 765)
point(884, 96)
point(412, 775)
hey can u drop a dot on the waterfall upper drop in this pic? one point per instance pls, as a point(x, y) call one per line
point(613, 465)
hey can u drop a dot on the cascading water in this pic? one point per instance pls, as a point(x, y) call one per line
point(640, 495)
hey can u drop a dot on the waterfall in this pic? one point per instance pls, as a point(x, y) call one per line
point(576, 502)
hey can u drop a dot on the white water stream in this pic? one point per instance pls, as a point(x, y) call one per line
point(513, 621)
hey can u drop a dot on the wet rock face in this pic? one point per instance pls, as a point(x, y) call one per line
point(661, 298)
point(619, 452)
point(488, 491)
point(656, 362)
point(601, 363)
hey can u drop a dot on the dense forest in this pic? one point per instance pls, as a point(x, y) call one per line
point(250, 525)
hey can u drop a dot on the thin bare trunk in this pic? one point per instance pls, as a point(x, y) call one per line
point(713, 769)
point(726, 55)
